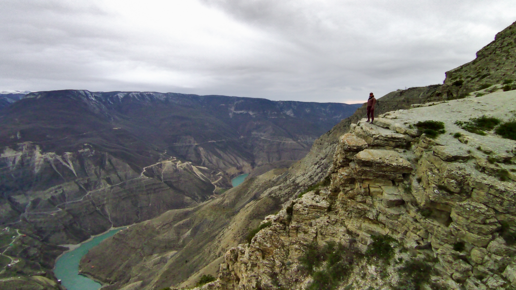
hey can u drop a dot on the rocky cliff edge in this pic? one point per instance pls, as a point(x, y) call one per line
point(402, 210)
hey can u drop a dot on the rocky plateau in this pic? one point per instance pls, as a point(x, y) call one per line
point(440, 204)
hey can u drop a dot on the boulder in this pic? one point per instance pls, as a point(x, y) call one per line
point(380, 137)
point(350, 142)
point(383, 160)
point(452, 153)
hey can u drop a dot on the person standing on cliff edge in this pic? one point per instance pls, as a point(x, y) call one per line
point(371, 102)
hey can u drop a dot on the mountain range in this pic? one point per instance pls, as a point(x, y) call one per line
point(76, 163)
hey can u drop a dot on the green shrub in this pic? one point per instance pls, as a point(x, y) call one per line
point(458, 83)
point(254, 231)
point(479, 125)
point(321, 280)
point(381, 247)
point(415, 274)
point(312, 258)
point(431, 128)
point(339, 262)
point(459, 247)
point(507, 130)
point(205, 279)
point(433, 125)
point(491, 159)
point(503, 174)
point(484, 86)
point(486, 123)
point(508, 88)
point(492, 89)
point(484, 76)
point(457, 135)
point(426, 212)
point(462, 96)
point(508, 235)
point(507, 81)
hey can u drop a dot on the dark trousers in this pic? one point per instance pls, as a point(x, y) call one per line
point(370, 113)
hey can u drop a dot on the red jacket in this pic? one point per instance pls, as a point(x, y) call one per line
point(371, 102)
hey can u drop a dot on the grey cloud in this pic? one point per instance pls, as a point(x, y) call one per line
point(303, 50)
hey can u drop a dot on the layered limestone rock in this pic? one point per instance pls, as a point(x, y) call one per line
point(444, 211)
point(52, 199)
point(65, 198)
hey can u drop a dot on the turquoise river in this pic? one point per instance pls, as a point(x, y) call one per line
point(239, 179)
point(67, 266)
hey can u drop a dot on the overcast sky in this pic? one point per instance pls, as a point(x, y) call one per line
point(317, 50)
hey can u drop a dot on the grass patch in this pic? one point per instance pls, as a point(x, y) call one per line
point(415, 274)
point(457, 135)
point(482, 77)
point(507, 81)
point(432, 129)
point(492, 89)
point(338, 263)
point(509, 88)
point(205, 279)
point(479, 125)
point(254, 231)
point(484, 86)
point(381, 248)
point(507, 130)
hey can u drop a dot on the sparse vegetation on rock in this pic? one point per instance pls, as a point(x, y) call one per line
point(432, 129)
point(479, 125)
point(382, 248)
point(508, 234)
point(507, 130)
point(205, 279)
point(329, 265)
point(254, 231)
point(415, 274)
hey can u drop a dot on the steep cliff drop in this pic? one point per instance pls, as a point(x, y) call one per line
point(403, 209)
